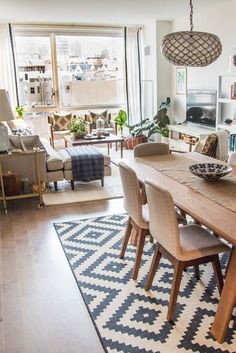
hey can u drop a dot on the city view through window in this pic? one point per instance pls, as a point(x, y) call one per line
point(89, 70)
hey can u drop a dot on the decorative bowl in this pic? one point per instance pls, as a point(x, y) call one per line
point(210, 171)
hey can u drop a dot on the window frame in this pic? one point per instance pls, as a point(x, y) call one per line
point(52, 31)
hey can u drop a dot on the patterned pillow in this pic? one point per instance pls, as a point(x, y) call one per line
point(61, 122)
point(209, 148)
point(22, 131)
point(94, 116)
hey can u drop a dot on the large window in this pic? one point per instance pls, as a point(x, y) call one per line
point(70, 69)
point(34, 71)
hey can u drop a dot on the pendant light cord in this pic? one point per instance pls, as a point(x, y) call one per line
point(191, 16)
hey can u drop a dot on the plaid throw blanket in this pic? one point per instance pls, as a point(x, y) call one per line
point(87, 163)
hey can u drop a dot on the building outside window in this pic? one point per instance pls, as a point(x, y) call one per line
point(70, 70)
point(34, 70)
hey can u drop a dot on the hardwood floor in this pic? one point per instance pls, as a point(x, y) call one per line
point(41, 309)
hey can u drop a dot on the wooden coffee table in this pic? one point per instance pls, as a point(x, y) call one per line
point(69, 140)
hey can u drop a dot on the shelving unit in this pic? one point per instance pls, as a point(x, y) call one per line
point(178, 134)
point(38, 194)
point(224, 101)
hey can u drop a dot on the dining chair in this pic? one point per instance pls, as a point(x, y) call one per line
point(183, 246)
point(151, 148)
point(138, 214)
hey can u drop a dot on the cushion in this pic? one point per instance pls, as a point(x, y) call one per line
point(61, 122)
point(209, 148)
point(94, 116)
point(22, 131)
point(67, 159)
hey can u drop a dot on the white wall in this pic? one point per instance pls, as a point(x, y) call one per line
point(220, 20)
point(150, 67)
point(157, 69)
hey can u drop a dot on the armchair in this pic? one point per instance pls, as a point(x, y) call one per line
point(59, 125)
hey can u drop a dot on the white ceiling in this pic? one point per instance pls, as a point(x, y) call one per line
point(99, 11)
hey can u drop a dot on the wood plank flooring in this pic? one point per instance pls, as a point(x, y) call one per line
point(41, 309)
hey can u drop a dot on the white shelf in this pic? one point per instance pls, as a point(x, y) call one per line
point(227, 100)
point(230, 128)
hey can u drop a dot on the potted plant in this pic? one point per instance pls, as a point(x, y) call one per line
point(79, 128)
point(121, 120)
point(20, 109)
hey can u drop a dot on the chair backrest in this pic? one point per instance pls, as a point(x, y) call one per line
point(162, 217)
point(151, 148)
point(132, 195)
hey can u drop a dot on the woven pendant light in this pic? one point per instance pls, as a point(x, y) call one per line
point(191, 48)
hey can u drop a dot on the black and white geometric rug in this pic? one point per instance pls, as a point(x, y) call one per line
point(127, 318)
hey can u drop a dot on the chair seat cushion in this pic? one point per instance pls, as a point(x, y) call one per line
point(66, 158)
point(196, 242)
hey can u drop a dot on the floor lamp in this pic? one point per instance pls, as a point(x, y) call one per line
point(6, 114)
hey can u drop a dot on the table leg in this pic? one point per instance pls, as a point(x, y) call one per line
point(108, 149)
point(121, 149)
point(227, 302)
point(66, 145)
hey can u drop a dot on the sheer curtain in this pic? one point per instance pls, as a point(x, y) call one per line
point(134, 73)
point(7, 71)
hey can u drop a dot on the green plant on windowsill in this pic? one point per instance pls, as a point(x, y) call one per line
point(79, 128)
point(20, 109)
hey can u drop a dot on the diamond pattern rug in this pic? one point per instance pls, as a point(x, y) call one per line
point(127, 318)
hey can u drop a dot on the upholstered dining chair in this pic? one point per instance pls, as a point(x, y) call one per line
point(138, 214)
point(183, 246)
point(151, 148)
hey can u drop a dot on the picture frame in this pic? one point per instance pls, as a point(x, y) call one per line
point(181, 80)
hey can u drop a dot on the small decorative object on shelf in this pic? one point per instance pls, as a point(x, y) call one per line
point(233, 91)
point(12, 183)
point(228, 121)
point(210, 171)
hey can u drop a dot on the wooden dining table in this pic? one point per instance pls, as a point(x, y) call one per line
point(204, 205)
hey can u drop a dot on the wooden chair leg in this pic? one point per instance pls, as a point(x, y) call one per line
point(102, 182)
point(178, 269)
point(230, 256)
point(196, 272)
point(218, 273)
point(141, 239)
point(55, 185)
point(155, 262)
point(126, 238)
point(72, 183)
point(134, 237)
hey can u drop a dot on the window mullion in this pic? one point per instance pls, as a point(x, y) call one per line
point(55, 71)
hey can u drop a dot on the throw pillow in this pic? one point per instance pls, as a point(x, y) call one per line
point(22, 131)
point(61, 122)
point(209, 148)
point(94, 116)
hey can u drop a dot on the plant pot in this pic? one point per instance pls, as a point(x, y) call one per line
point(79, 134)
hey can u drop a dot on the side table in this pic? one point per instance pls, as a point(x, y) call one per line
point(38, 194)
